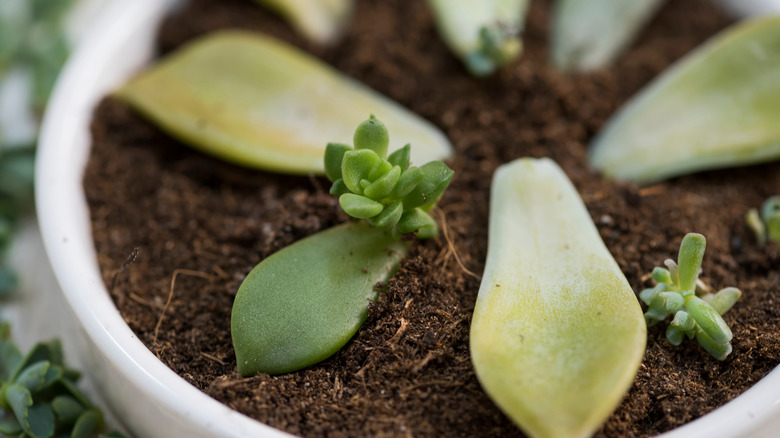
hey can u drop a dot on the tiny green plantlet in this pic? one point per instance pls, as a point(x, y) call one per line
point(766, 225)
point(304, 303)
point(385, 190)
point(695, 309)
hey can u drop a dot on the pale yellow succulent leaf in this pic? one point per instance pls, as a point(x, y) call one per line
point(589, 34)
point(258, 102)
point(322, 21)
point(557, 333)
point(715, 108)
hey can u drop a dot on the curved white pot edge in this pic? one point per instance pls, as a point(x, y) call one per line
point(180, 408)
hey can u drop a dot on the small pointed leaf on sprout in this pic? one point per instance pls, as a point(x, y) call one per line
point(708, 319)
point(408, 181)
point(436, 177)
point(689, 259)
point(718, 350)
point(379, 169)
point(648, 295)
point(770, 212)
point(334, 155)
point(372, 134)
point(401, 157)
point(674, 334)
point(756, 223)
point(356, 166)
point(389, 217)
point(359, 206)
point(382, 187)
point(661, 275)
point(725, 299)
point(417, 220)
point(339, 188)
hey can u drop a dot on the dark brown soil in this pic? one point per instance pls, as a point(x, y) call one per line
point(408, 372)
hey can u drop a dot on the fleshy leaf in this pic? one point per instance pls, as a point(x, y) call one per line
point(388, 217)
point(588, 35)
point(382, 187)
point(484, 34)
point(401, 157)
point(322, 21)
point(334, 155)
point(359, 206)
point(557, 333)
point(356, 166)
point(372, 134)
point(66, 408)
point(10, 358)
point(258, 102)
point(715, 108)
point(39, 376)
point(86, 424)
point(436, 178)
point(37, 420)
point(303, 303)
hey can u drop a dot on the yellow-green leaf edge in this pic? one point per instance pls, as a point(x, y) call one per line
point(557, 333)
point(258, 102)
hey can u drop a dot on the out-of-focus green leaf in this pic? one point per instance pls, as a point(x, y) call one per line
point(590, 34)
point(322, 21)
point(717, 107)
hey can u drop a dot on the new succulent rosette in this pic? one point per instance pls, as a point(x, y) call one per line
point(697, 311)
point(385, 190)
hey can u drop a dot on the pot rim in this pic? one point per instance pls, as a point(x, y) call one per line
point(96, 67)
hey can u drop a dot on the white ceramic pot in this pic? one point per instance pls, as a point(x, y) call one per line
point(149, 398)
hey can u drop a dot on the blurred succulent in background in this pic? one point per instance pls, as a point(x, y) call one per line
point(766, 225)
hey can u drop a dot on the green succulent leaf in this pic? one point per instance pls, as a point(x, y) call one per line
point(417, 220)
point(661, 275)
point(359, 206)
point(334, 155)
point(10, 358)
point(708, 319)
point(39, 376)
point(407, 182)
point(436, 177)
point(66, 408)
point(389, 217)
point(725, 299)
point(9, 426)
point(339, 188)
point(372, 134)
point(401, 157)
point(303, 303)
point(86, 424)
point(36, 420)
point(382, 187)
point(379, 169)
point(689, 260)
point(356, 166)
point(718, 350)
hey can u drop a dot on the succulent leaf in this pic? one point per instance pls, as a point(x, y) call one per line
point(689, 260)
point(372, 134)
point(547, 263)
point(436, 177)
point(303, 303)
point(86, 424)
point(66, 408)
point(384, 185)
point(715, 108)
point(322, 21)
point(359, 206)
point(258, 102)
point(401, 157)
point(389, 217)
point(334, 155)
point(356, 166)
point(588, 35)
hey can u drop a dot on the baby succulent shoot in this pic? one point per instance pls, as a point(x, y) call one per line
point(302, 304)
point(696, 311)
point(766, 225)
point(258, 102)
point(715, 108)
point(384, 190)
point(557, 333)
point(484, 34)
point(322, 21)
point(588, 35)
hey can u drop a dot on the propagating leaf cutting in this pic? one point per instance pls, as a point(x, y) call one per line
point(484, 34)
point(557, 333)
point(385, 190)
point(715, 108)
point(697, 311)
point(258, 102)
point(302, 304)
